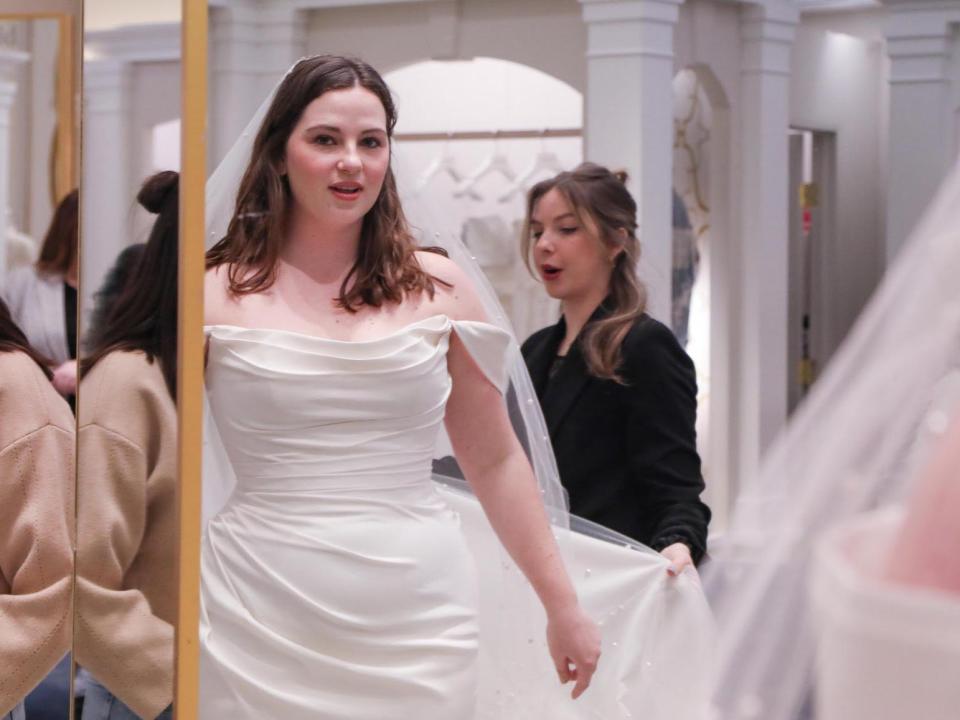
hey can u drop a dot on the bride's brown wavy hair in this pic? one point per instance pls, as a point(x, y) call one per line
point(386, 268)
point(596, 193)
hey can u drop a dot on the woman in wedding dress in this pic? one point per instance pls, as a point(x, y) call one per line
point(335, 581)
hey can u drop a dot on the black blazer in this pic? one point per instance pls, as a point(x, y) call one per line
point(627, 454)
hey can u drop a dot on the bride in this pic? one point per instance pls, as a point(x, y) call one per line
point(318, 293)
point(338, 579)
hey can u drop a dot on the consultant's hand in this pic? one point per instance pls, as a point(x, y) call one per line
point(679, 556)
point(65, 378)
point(574, 642)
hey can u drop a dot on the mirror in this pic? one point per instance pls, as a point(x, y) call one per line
point(126, 596)
point(39, 73)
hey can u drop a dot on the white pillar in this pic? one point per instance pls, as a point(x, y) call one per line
point(628, 119)
point(9, 60)
point(252, 46)
point(106, 187)
point(920, 138)
point(8, 91)
point(760, 365)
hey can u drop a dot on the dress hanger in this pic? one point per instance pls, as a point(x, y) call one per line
point(443, 164)
point(544, 162)
point(496, 162)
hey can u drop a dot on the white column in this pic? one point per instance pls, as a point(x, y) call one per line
point(628, 119)
point(106, 187)
point(8, 91)
point(252, 46)
point(920, 142)
point(9, 60)
point(760, 365)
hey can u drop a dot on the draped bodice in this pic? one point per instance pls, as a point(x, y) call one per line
point(303, 412)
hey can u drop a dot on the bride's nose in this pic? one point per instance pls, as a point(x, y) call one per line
point(349, 163)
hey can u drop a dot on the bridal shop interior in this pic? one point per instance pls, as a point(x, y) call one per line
point(792, 165)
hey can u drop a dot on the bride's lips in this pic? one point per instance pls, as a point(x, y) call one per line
point(349, 191)
point(550, 272)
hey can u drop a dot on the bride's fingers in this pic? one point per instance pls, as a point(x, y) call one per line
point(584, 674)
point(562, 665)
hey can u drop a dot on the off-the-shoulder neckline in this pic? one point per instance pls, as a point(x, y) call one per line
point(319, 338)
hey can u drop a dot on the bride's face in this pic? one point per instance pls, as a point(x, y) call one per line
point(337, 156)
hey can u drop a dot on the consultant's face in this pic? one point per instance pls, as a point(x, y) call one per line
point(337, 156)
point(569, 256)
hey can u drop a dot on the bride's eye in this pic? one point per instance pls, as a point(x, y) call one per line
point(323, 140)
point(371, 142)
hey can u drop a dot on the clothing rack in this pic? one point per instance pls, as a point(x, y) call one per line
point(489, 135)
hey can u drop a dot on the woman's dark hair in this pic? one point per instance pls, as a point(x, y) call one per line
point(597, 194)
point(144, 315)
point(114, 283)
point(12, 339)
point(386, 267)
point(59, 250)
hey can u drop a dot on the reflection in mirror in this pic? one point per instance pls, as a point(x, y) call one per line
point(38, 301)
point(127, 418)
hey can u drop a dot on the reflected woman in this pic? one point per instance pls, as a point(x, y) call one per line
point(617, 390)
point(36, 518)
point(42, 298)
point(126, 540)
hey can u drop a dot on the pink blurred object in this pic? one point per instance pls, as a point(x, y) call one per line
point(925, 552)
point(885, 651)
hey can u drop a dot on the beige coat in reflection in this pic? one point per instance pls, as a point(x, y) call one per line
point(126, 531)
point(36, 526)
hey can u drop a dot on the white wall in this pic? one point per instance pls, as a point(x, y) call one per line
point(547, 34)
point(155, 99)
point(106, 14)
point(486, 95)
point(839, 84)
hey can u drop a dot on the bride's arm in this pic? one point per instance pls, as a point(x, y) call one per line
point(498, 471)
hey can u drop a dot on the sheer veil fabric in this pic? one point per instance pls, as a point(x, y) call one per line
point(855, 444)
point(657, 631)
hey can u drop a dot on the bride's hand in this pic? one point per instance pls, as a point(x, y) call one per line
point(574, 642)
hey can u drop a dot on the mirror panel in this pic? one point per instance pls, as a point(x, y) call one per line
point(39, 73)
point(126, 595)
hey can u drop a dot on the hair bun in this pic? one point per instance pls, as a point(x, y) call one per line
point(621, 175)
point(157, 189)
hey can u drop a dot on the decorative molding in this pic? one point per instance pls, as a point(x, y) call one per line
point(919, 41)
point(767, 34)
point(827, 6)
point(630, 28)
point(10, 58)
point(8, 93)
point(105, 86)
point(617, 11)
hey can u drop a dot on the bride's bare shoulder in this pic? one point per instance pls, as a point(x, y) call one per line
point(218, 303)
point(456, 294)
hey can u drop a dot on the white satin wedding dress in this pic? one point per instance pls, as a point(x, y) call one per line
point(340, 581)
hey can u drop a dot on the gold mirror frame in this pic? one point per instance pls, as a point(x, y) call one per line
point(193, 175)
